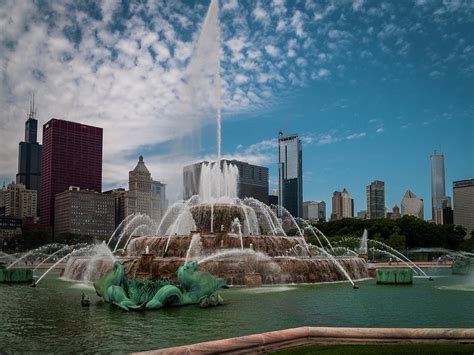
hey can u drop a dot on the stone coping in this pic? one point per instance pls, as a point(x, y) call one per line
point(322, 335)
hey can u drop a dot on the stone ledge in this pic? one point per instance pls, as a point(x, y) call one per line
point(322, 335)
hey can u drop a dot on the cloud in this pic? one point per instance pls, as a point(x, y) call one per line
point(356, 135)
point(357, 4)
point(272, 50)
point(380, 130)
point(230, 5)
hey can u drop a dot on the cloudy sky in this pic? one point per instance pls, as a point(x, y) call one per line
point(372, 87)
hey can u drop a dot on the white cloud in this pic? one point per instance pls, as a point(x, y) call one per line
point(241, 79)
point(356, 135)
point(230, 5)
point(272, 50)
point(379, 130)
point(260, 14)
point(357, 4)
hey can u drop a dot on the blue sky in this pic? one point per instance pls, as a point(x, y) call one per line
point(373, 87)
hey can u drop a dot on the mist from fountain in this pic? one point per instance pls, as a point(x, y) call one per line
point(120, 227)
point(195, 247)
point(236, 228)
point(137, 220)
point(92, 252)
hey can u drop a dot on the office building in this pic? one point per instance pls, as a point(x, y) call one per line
point(342, 205)
point(375, 193)
point(252, 181)
point(72, 156)
point(84, 212)
point(18, 201)
point(159, 188)
point(140, 197)
point(119, 204)
point(314, 211)
point(438, 187)
point(29, 154)
point(463, 198)
point(290, 174)
point(411, 205)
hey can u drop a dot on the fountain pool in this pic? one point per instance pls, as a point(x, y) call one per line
point(31, 324)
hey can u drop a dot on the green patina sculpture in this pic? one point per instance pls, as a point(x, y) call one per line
point(394, 276)
point(16, 275)
point(194, 287)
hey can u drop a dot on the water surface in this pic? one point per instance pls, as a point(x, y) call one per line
point(49, 318)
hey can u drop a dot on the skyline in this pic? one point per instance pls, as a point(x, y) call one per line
point(371, 98)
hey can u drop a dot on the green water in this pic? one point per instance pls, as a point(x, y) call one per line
point(49, 318)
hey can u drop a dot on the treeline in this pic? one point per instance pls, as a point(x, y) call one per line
point(404, 233)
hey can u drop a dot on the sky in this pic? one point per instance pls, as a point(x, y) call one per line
point(372, 87)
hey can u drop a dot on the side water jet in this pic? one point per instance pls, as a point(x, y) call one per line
point(401, 256)
point(72, 253)
point(374, 250)
point(66, 247)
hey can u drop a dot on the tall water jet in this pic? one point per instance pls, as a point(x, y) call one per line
point(363, 243)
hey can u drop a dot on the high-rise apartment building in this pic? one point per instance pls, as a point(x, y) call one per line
point(18, 201)
point(72, 156)
point(375, 193)
point(438, 187)
point(290, 174)
point(411, 205)
point(463, 198)
point(314, 210)
point(84, 212)
point(342, 205)
point(29, 154)
point(252, 181)
point(140, 197)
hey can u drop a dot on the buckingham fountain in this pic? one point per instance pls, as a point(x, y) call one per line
point(242, 241)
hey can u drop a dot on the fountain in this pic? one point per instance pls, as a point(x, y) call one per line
point(242, 241)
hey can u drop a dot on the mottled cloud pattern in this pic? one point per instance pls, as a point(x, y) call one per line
point(125, 66)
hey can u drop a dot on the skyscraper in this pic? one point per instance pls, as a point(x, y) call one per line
point(412, 205)
point(342, 205)
point(29, 154)
point(438, 188)
point(463, 198)
point(290, 174)
point(72, 156)
point(140, 197)
point(375, 193)
point(314, 211)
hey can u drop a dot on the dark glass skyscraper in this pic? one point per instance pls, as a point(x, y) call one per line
point(290, 174)
point(72, 156)
point(438, 187)
point(375, 193)
point(29, 154)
